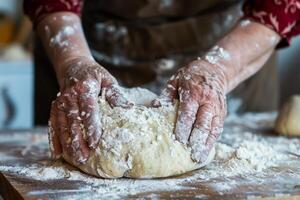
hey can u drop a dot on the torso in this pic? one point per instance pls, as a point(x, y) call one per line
point(152, 38)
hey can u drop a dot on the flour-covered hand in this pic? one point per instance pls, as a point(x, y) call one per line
point(200, 90)
point(75, 125)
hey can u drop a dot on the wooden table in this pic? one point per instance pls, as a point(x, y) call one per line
point(16, 186)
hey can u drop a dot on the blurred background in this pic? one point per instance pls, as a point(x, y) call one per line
point(16, 68)
point(16, 74)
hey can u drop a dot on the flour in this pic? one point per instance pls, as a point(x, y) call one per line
point(273, 40)
point(66, 18)
point(243, 154)
point(245, 22)
point(58, 39)
point(38, 172)
point(138, 96)
point(215, 54)
point(248, 157)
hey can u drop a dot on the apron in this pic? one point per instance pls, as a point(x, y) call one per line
point(143, 42)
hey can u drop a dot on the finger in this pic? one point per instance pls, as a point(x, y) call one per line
point(185, 119)
point(53, 132)
point(217, 122)
point(79, 148)
point(116, 98)
point(201, 132)
point(64, 135)
point(90, 115)
point(168, 94)
point(216, 130)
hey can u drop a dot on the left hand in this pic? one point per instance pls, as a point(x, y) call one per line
point(75, 124)
point(200, 90)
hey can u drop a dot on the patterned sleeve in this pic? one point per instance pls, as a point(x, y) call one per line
point(36, 9)
point(283, 16)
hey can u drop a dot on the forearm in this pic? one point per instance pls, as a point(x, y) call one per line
point(63, 39)
point(242, 52)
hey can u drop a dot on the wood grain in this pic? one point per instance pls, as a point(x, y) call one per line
point(15, 186)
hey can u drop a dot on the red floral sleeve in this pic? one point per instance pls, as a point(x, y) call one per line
point(283, 16)
point(36, 9)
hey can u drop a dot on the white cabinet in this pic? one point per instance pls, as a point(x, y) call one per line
point(16, 94)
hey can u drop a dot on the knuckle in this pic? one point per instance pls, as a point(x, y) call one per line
point(214, 135)
point(170, 88)
point(203, 125)
point(208, 108)
point(199, 136)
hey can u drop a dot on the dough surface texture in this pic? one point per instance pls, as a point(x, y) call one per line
point(288, 120)
point(139, 142)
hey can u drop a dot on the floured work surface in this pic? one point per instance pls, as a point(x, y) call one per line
point(250, 162)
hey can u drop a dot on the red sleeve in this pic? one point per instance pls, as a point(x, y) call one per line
point(283, 16)
point(36, 9)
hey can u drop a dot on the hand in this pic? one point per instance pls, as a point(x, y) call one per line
point(200, 89)
point(75, 125)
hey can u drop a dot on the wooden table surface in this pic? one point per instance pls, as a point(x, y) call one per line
point(16, 186)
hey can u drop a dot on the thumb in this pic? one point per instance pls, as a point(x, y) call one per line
point(116, 98)
point(168, 94)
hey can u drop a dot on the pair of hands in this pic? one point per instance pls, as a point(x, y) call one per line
point(75, 126)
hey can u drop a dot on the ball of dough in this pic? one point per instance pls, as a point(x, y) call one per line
point(139, 142)
point(288, 120)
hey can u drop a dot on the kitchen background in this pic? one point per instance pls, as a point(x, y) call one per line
point(16, 68)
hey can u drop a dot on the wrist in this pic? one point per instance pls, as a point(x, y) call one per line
point(64, 41)
point(211, 73)
point(64, 68)
point(242, 52)
point(217, 59)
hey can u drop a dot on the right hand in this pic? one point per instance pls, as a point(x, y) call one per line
point(75, 124)
point(199, 88)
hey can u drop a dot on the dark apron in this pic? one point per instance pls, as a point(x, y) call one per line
point(143, 42)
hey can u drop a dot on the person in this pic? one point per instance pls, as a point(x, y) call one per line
point(212, 45)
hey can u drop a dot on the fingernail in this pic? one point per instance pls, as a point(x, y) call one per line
point(181, 139)
point(181, 133)
point(81, 160)
point(199, 156)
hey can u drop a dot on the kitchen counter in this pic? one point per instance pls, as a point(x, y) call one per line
point(28, 173)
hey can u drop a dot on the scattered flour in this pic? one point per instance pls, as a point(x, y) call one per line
point(248, 157)
point(239, 153)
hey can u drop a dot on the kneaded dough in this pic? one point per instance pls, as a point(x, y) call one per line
point(288, 120)
point(139, 142)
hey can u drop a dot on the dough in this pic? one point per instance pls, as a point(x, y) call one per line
point(139, 142)
point(288, 120)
